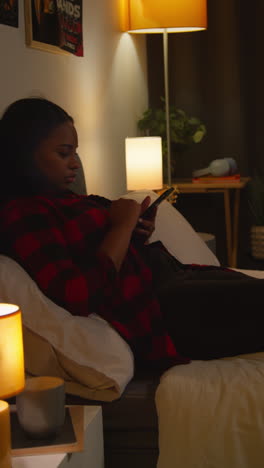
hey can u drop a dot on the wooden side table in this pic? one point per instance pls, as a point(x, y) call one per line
point(231, 214)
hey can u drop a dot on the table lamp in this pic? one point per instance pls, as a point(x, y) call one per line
point(166, 16)
point(12, 378)
point(144, 163)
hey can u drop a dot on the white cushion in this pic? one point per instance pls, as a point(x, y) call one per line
point(86, 351)
point(216, 409)
point(177, 235)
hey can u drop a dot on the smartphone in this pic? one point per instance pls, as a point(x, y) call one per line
point(156, 202)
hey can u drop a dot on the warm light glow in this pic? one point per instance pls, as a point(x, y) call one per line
point(5, 439)
point(12, 378)
point(144, 163)
point(146, 16)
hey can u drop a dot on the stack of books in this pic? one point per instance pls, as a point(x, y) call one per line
point(214, 179)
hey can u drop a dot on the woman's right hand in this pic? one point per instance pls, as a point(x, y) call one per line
point(124, 212)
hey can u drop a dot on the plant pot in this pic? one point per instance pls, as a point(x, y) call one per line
point(257, 242)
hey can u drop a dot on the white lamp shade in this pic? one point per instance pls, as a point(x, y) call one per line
point(144, 163)
point(146, 16)
point(12, 379)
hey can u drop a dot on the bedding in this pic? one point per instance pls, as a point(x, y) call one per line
point(91, 357)
point(211, 413)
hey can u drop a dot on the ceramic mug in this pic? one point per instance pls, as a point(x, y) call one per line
point(41, 407)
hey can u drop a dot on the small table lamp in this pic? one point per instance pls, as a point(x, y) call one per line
point(12, 378)
point(144, 163)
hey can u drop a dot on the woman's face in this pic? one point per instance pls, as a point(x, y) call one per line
point(55, 156)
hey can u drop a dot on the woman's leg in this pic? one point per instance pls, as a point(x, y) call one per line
point(212, 318)
point(210, 312)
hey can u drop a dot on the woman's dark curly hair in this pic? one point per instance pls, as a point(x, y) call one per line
point(23, 126)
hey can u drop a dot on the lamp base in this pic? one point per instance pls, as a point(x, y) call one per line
point(5, 439)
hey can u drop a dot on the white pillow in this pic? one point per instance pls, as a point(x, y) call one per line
point(176, 233)
point(87, 352)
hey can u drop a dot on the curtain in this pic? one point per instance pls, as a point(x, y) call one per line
point(217, 75)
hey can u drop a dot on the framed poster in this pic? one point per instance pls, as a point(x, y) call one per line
point(54, 26)
point(9, 12)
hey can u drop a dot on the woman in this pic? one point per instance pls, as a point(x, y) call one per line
point(89, 254)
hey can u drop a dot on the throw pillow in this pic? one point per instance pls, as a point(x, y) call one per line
point(176, 233)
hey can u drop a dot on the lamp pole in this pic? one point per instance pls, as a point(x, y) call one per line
point(167, 107)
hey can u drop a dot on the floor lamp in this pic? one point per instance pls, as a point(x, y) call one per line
point(166, 16)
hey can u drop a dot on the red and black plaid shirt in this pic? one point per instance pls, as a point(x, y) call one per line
point(56, 241)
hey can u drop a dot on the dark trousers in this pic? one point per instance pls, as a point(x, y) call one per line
point(210, 312)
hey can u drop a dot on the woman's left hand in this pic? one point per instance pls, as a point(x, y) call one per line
point(145, 227)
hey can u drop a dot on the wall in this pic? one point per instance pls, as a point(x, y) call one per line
point(105, 91)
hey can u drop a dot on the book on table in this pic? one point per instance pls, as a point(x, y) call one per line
point(215, 179)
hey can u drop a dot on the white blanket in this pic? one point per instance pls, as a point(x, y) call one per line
point(211, 413)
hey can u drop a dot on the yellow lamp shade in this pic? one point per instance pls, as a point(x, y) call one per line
point(12, 379)
point(146, 16)
point(144, 163)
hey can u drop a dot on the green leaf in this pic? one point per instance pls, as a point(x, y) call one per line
point(197, 137)
point(184, 130)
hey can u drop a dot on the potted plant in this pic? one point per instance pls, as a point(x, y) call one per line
point(256, 204)
point(184, 130)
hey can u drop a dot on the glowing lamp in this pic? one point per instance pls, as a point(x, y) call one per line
point(12, 378)
point(143, 163)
